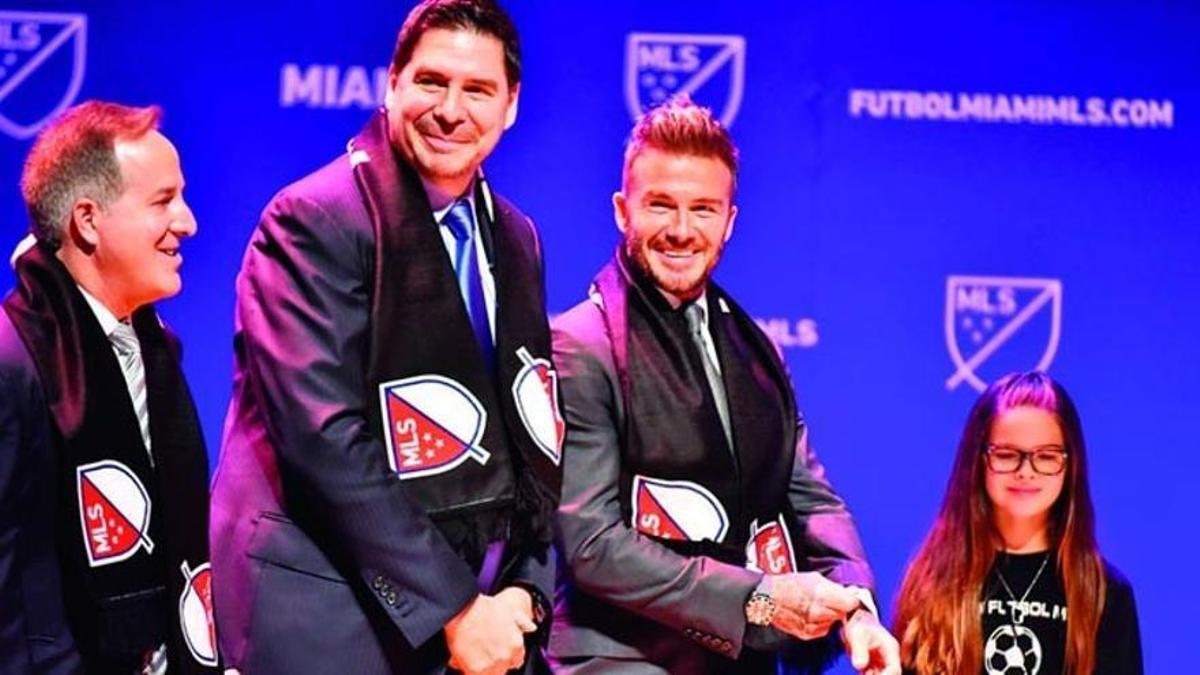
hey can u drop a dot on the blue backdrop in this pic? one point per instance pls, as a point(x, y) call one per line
point(929, 198)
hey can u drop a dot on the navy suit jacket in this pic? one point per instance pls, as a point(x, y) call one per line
point(321, 561)
point(34, 635)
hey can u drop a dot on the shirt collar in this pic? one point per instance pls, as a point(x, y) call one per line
point(108, 322)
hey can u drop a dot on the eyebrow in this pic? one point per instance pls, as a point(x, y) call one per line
point(430, 71)
point(1055, 447)
point(165, 191)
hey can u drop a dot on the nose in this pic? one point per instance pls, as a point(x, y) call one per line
point(184, 224)
point(680, 227)
point(1025, 468)
point(449, 110)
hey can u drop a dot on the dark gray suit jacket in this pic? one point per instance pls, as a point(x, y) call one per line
point(321, 562)
point(34, 634)
point(626, 602)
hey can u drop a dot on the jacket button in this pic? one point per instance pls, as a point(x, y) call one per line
point(377, 583)
point(391, 598)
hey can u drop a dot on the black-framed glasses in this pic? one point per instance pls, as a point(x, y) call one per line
point(1048, 460)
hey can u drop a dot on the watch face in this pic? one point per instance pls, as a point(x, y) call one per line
point(760, 610)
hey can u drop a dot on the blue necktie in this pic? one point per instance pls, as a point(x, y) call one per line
point(461, 222)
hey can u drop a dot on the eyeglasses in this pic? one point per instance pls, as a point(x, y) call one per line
point(1049, 460)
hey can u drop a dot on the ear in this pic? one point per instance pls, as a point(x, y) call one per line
point(510, 115)
point(83, 226)
point(389, 97)
point(733, 211)
point(620, 214)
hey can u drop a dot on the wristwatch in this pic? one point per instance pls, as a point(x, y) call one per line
point(760, 608)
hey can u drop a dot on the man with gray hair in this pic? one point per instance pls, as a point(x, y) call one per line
point(103, 472)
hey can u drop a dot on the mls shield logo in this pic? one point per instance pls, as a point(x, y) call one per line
point(433, 425)
point(42, 61)
point(196, 614)
point(535, 391)
point(711, 69)
point(678, 510)
point(114, 511)
point(995, 325)
point(769, 549)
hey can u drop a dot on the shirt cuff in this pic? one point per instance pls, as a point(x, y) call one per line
point(864, 596)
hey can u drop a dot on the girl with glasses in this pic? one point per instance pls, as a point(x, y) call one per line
point(1010, 579)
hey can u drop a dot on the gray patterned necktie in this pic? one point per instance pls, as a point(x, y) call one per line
point(698, 329)
point(129, 353)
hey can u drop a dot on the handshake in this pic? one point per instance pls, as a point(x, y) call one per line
point(806, 605)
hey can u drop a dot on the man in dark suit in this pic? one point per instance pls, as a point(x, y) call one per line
point(697, 530)
point(390, 466)
point(103, 472)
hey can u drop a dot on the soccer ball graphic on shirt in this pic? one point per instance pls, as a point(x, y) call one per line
point(1012, 650)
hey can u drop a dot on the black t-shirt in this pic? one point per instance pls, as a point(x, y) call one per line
point(1025, 624)
point(1029, 638)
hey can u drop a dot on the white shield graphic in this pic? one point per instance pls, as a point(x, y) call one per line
point(535, 392)
point(196, 614)
point(661, 65)
point(30, 44)
point(984, 314)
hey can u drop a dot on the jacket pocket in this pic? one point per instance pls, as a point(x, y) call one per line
point(280, 542)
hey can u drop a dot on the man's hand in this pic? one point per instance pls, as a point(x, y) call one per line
point(872, 649)
point(808, 604)
point(486, 637)
point(521, 602)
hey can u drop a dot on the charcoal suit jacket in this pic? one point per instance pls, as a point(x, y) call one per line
point(625, 602)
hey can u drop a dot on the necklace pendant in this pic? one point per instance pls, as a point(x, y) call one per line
point(1018, 614)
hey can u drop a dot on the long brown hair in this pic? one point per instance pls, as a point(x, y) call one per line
point(937, 613)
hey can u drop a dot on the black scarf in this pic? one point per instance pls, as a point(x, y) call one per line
point(463, 436)
point(133, 538)
point(675, 457)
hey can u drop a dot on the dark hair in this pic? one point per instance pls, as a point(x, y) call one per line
point(480, 16)
point(937, 613)
point(73, 158)
point(681, 127)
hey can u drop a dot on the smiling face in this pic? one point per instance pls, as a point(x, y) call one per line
point(449, 104)
point(1023, 498)
point(676, 213)
point(136, 237)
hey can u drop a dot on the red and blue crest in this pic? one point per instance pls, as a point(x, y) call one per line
point(769, 549)
point(114, 512)
point(432, 424)
point(677, 510)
